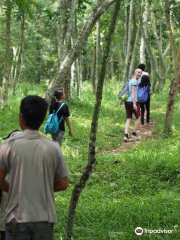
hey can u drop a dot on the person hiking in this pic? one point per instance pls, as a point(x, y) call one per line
point(146, 106)
point(142, 66)
point(145, 82)
point(63, 114)
point(36, 169)
point(4, 199)
point(132, 107)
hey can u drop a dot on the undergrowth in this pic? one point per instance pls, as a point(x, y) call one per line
point(138, 188)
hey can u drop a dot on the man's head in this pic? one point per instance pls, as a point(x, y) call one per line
point(32, 112)
point(137, 73)
point(142, 66)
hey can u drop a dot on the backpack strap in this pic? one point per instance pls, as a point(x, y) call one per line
point(60, 108)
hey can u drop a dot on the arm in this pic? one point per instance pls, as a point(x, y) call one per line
point(61, 184)
point(4, 185)
point(134, 97)
point(69, 125)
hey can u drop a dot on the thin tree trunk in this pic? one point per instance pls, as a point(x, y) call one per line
point(170, 29)
point(152, 58)
point(171, 102)
point(98, 47)
point(78, 77)
point(7, 54)
point(126, 24)
point(132, 64)
point(93, 70)
point(142, 51)
point(74, 52)
point(162, 67)
point(112, 67)
point(175, 82)
point(69, 33)
point(142, 46)
point(94, 126)
point(128, 53)
point(73, 79)
point(19, 58)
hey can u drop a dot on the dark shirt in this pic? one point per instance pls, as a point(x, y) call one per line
point(64, 111)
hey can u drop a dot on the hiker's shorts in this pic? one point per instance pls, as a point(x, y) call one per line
point(130, 110)
point(29, 231)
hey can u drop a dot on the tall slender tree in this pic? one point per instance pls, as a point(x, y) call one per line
point(7, 62)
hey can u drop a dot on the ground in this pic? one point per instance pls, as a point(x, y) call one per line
point(144, 132)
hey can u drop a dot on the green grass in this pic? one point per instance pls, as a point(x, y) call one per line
point(139, 188)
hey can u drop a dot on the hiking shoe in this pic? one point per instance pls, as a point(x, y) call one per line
point(135, 137)
point(126, 139)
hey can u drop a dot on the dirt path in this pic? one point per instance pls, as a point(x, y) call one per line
point(144, 132)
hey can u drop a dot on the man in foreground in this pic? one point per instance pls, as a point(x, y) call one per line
point(36, 169)
point(132, 107)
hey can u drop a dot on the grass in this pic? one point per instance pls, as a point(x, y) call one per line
point(139, 188)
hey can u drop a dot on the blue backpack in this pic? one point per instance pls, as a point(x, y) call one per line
point(142, 94)
point(52, 123)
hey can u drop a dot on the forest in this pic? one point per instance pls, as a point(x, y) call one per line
point(90, 49)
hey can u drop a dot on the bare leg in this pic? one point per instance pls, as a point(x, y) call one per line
point(136, 124)
point(127, 125)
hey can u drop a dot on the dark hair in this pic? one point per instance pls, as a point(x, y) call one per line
point(145, 81)
point(57, 95)
point(33, 109)
point(142, 66)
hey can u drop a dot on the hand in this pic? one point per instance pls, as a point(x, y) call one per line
point(70, 132)
point(135, 106)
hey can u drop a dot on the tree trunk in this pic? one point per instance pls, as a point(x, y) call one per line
point(132, 64)
point(152, 58)
point(69, 33)
point(18, 60)
point(170, 30)
point(93, 70)
point(98, 46)
point(128, 53)
point(7, 54)
point(176, 77)
point(66, 31)
point(79, 77)
point(94, 126)
point(126, 24)
point(73, 79)
point(142, 51)
point(171, 101)
point(142, 46)
point(74, 52)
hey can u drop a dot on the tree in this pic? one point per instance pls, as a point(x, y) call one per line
point(129, 43)
point(7, 53)
point(175, 81)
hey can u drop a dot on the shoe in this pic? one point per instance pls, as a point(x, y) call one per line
point(126, 139)
point(135, 137)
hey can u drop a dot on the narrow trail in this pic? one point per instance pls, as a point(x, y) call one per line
point(144, 132)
